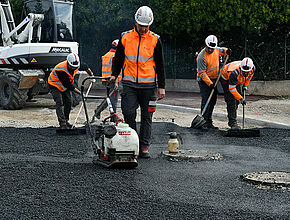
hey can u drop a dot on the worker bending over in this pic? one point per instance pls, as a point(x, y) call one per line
point(139, 55)
point(234, 76)
point(207, 74)
point(61, 83)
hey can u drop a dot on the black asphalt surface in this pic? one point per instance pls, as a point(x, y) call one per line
point(47, 176)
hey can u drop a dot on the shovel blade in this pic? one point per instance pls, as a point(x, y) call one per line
point(197, 122)
point(243, 133)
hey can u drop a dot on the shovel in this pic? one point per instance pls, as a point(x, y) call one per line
point(73, 130)
point(199, 121)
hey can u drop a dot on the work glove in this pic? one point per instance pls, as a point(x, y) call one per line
point(212, 87)
point(242, 101)
point(229, 51)
point(245, 88)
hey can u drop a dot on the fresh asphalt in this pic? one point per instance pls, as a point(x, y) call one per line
point(48, 176)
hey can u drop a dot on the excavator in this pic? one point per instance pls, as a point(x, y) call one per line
point(30, 50)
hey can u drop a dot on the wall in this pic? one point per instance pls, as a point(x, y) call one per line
point(265, 88)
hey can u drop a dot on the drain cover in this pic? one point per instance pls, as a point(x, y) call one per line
point(192, 155)
point(268, 178)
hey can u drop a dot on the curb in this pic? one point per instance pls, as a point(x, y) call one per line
point(263, 123)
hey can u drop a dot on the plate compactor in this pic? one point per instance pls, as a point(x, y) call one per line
point(115, 144)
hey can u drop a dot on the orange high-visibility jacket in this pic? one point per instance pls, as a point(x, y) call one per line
point(233, 70)
point(107, 64)
point(139, 65)
point(54, 80)
point(208, 65)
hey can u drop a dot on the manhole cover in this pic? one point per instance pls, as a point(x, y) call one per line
point(268, 178)
point(192, 155)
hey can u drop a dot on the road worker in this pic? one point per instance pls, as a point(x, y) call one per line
point(107, 61)
point(61, 83)
point(207, 74)
point(139, 54)
point(235, 75)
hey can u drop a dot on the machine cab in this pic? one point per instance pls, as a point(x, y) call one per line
point(58, 19)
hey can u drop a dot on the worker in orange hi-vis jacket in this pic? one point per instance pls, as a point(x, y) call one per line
point(235, 75)
point(107, 62)
point(207, 74)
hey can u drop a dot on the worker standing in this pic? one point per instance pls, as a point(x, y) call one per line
point(139, 54)
point(207, 73)
point(235, 75)
point(107, 61)
point(61, 83)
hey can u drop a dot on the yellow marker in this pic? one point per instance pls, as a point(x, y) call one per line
point(33, 60)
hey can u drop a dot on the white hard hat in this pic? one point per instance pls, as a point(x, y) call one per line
point(211, 41)
point(73, 60)
point(115, 43)
point(144, 16)
point(247, 64)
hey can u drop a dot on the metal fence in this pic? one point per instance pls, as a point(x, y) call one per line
point(270, 54)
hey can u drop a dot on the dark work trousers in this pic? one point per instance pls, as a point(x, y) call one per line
point(113, 97)
point(131, 99)
point(62, 104)
point(232, 103)
point(205, 91)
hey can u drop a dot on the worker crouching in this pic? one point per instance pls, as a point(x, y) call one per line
point(236, 76)
point(61, 83)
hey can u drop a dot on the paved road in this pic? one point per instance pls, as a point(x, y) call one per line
point(51, 177)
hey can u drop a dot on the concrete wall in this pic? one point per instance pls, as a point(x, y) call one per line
point(264, 88)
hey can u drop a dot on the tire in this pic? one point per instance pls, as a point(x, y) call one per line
point(11, 98)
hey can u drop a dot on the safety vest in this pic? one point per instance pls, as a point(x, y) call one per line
point(139, 65)
point(107, 64)
point(54, 80)
point(208, 65)
point(234, 67)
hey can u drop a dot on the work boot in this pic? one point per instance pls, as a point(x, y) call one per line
point(209, 125)
point(68, 125)
point(63, 126)
point(235, 126)
point(144, 153)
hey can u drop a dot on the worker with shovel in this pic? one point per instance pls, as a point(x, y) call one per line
point(113, 88)
point(61, 83)
point(139, 55)
point(235, 75)
point(207, 75)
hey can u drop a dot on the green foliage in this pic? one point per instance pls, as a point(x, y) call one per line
point(16, 6)
point(183, 26)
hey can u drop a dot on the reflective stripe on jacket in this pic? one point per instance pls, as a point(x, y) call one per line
point(208, 65)
point(233, 74)
point(139, 64)
point(54, 80)
point(107, 60)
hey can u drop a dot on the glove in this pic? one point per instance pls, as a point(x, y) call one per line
point(242, 101)
point(212, 87)
point(245, 88)
point(93, 80)
point(229, 51)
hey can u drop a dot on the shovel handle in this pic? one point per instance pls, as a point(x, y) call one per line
point(74, 124)
point(212, 91)
point(244, 97)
